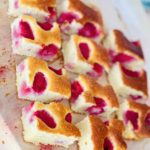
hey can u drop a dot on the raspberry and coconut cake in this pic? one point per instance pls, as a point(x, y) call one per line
point(84, 56)
point(43, 10)
point(93, 133)
point(37, 39)
point(136, 118)
point(49, 124)
point(38, 82)
point(128, 84)
point(89, 97)
point(122, 50)
point(78, 18)
point(114, 139)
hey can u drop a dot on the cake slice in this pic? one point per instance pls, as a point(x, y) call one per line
point(114, 139)
point(136, 118)
point(36, 81)
point(122, 50)
point(93, 133)
point(128, 84)
point(43, 10)
point(37, 39)
point(49, 124)
point(89, 97)
point(84, 56)
point(78, 18)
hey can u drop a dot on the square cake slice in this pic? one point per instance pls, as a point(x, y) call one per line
point(89, 97)
point(84, 56)
point(128, 84)
point(122, 50)
point(43, 10)
point(38, 82)
point(93, 133)
point(114, 139)
point(78, 18)
point(136, 118)
point(37, 39)
point(49, 124)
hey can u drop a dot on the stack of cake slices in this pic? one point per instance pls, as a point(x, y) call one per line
point(46, 31)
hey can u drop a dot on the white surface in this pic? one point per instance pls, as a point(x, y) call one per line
point(127, 15)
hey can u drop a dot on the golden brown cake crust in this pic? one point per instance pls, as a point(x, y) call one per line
point(99, 91)
point(138, 83)
point(99, 132)
point(88, 14)
point(98, 54)
point(143, 130)
point(124, 45)
point(62, 126)
point(88, 97)
point(115, 130)
point(39, 4)
point(41, 36)
point(57, 83)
